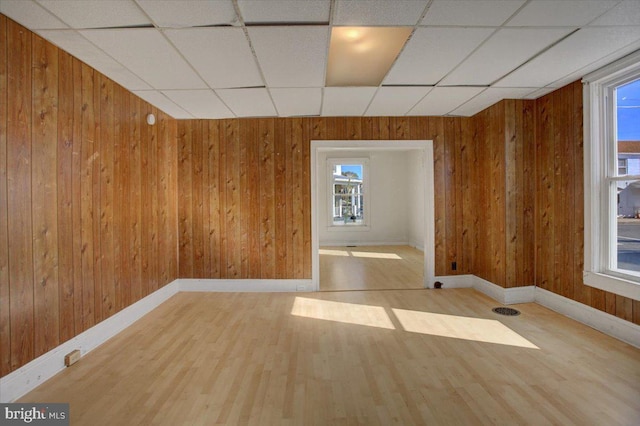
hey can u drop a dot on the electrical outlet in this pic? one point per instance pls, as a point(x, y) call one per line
point(72, 357)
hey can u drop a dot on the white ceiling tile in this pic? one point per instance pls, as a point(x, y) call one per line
point(561, 13)
point(30, 14)
point(378, 12)
point(293, 56)
point(346, 101)
point(489, 97)
point(292, 102)
point(226, 49)
point(189, 13)
point(502, 53)
point(147, 54)
point(470, 12)
point(73, 43)
point(432, 52)
point(160, 101)
point(577, 51)
point(280, 11)
point(248, 102)
point(199, 103)
point(97, 13)
point(395, 100)
point(444, 100)
point(625, 13)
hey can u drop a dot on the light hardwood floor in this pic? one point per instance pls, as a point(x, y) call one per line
point(372, 358)
point(371, 268)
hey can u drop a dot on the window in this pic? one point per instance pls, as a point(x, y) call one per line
point(612, 178)
point(348, 201)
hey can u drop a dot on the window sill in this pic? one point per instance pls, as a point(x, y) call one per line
point(616, 285)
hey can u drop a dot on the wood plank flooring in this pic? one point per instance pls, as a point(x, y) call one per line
point(363, 357)
point(371, 268)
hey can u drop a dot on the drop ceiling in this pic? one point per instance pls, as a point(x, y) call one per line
point(268, 58)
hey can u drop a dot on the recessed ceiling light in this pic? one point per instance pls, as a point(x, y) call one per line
point(362, 56)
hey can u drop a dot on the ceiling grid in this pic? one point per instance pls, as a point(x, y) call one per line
point(265, 58)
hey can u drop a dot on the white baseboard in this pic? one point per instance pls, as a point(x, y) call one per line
point(608, 324)
point(456, 281)
point(506, 296)
point(244, 286)
point(29, 376)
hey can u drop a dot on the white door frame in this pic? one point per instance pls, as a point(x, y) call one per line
point(426, 146)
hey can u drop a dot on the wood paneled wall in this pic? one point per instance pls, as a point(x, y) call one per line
point(245, 197)
point(88, 216)
point(559, 204)
point(97, 209)
point(501, 164)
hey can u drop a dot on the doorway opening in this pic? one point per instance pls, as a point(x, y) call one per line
point(392, 196)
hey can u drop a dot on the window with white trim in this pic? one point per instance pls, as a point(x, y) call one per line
point(612, 177)
point(348, 191)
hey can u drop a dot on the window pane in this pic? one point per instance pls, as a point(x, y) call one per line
point(628, 128)
point(628, 229)
point(348, 189)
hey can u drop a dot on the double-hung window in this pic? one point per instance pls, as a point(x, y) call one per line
point(612, 177)
point(348, 191)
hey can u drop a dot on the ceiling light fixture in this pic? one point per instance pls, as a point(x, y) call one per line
point(362, 56)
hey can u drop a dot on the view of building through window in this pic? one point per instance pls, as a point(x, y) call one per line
point(627, 117)
point(348, 194)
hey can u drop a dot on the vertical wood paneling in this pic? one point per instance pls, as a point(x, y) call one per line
point(89, 154)
point(107, 125)
point(266, 154)
point(135, 213)
point(44, 135)
point(232, 195)
point(19, 74)
point(197, 218)
point(5, 314)
point(231, 198)
point(185, 206)
point(71, 196)
point(436, 134)
point(65, 195)
point(213, 192)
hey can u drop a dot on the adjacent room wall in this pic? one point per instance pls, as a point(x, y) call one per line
point(416, 187)
point(87, 197)
point(387, 200)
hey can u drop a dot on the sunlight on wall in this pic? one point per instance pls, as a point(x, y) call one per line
point(350, 313)
point(477, 329)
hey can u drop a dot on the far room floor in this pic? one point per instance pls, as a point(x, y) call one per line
point(386, 267)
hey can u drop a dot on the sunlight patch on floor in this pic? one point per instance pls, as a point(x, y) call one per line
point(457, 327)
point(327, 252)
point(369, 254)
point(350, 313)
point(374, 255)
